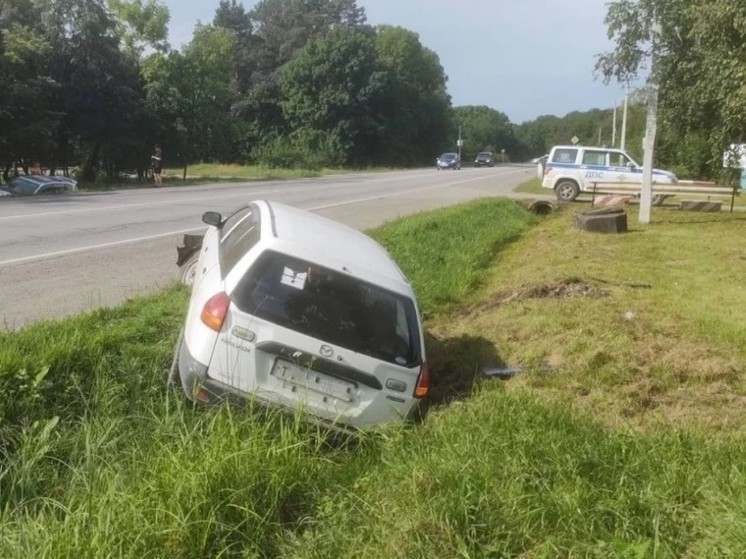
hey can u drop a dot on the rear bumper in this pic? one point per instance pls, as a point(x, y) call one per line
point(199, 387)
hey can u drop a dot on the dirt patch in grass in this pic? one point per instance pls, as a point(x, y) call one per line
point(565, 288)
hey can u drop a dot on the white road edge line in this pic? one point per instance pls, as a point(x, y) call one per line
point(48, 255)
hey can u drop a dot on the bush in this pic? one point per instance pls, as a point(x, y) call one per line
point(302, 149)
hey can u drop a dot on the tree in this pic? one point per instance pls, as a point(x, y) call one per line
point(485, 129)
point(284, 27)
point(142, 25)
point(337, 86)
point(701, 61)
point(417, 112)
point(26, 118)
point(233, 17)
point(192, 88)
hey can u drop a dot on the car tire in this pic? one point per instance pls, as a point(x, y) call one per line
point(188, 270)
point(566, 190)
point(658, 199)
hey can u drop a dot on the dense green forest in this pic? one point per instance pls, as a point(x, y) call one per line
point(93, 85)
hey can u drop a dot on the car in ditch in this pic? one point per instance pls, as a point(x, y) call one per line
point(291, 309)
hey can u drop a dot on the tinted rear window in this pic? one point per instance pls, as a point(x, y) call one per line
point(331, 306)
point(564, 155)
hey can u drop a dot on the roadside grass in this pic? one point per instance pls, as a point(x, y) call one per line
point(202, 173)
point(532, 186)
point(215, 171)
point(445, 252)
point(633, 446)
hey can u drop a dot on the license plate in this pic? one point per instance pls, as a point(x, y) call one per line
point(313, 380)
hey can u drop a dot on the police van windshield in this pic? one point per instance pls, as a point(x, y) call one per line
point(331, 306)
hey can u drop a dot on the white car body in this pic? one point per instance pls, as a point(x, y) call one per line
point(570, 170)
point(283, 311)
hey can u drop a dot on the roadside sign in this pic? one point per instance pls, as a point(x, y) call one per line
point(574, 140)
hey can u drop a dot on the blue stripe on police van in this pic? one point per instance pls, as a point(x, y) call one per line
point(636, 170)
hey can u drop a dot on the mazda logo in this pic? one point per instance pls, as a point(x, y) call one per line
point(326, 351)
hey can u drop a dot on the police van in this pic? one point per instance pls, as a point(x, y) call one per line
point(570, 170)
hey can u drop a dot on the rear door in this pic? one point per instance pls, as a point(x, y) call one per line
point(594, 168)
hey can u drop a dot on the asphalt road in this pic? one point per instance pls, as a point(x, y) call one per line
point(62, 255)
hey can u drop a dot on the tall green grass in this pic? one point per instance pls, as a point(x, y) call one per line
point(445, 252)
point(98, 458)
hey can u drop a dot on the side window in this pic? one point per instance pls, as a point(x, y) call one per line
point(564, 156)
point(594, 158)
point(620, 160)
point(239, 234)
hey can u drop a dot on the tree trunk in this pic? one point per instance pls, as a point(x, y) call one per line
point(88, 172)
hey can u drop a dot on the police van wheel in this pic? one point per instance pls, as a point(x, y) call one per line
point(566, 191)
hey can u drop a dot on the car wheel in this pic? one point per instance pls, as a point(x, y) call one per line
point(174, 378)
point(188, 270)
point(566, 190)
point(658, 199)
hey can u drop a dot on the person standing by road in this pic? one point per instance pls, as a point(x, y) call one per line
point(156, 162)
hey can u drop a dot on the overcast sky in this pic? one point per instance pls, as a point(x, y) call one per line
point(525, 58)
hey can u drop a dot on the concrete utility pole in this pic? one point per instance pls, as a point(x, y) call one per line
point(651, 127)
point(624, 120)
point(460, 143)
point(613, 127)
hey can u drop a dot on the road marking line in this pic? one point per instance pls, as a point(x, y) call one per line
point(170, 201)
point(24, 259)
point(48, 255)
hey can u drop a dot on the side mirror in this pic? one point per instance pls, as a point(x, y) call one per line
point(631, 165)
point(213, 218)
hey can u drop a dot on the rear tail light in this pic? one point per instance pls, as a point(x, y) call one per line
point(215, 310)
point(422, 388)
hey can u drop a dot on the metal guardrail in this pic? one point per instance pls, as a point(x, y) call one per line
point(682, 187)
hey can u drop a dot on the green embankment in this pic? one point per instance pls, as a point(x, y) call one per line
point(632, 446)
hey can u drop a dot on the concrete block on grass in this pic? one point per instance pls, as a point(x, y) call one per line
point(602, 220)
point(701, 205)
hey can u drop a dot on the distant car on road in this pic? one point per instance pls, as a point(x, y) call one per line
point(35, 185)
point(293, 310)
point(448, 161)
point(484, 159)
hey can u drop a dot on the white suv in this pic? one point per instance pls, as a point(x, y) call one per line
point(570, 170)
point(295, 310)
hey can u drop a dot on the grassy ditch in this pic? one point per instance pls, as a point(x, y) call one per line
point(632, 446)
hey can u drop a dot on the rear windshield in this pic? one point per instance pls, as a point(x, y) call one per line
point(331, 306)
